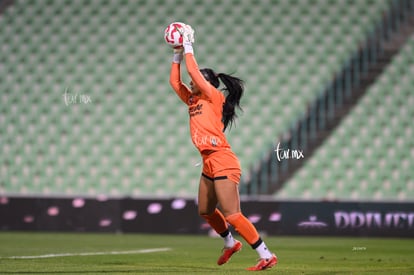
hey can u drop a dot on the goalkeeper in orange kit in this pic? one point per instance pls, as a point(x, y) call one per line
point(211, 112)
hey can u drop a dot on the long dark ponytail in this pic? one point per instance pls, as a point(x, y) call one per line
point(234, 88)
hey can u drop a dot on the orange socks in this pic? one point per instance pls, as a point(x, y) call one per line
point(217, 221)
point(242, 225)
point(245, 228)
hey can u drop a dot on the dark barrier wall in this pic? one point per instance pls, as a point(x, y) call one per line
point(180, 216)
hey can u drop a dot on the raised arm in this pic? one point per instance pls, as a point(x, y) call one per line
point(196, 76)
point(179, 87)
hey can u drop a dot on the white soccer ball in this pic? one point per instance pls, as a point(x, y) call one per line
point(173, 34)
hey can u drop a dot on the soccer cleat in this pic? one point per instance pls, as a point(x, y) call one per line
point(264, 264)
point(228, 252)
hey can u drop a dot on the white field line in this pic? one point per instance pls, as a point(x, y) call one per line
point(141, 251)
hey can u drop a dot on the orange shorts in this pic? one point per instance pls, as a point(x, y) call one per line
point(220, 165)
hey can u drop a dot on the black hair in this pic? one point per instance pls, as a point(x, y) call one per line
point(234, 88)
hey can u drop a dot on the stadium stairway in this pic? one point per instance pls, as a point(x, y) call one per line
point(370, 176)
point(339, 98)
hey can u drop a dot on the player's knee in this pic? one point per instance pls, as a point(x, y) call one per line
point(205, 212)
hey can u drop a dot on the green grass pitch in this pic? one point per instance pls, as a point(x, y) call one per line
point(84, 253)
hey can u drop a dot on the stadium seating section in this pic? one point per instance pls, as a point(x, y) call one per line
point(370, 155)
point(86, 107)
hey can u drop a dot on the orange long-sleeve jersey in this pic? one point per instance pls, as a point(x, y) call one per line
point(205, 111)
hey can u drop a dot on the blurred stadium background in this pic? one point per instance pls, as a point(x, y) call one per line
point(86, 108)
